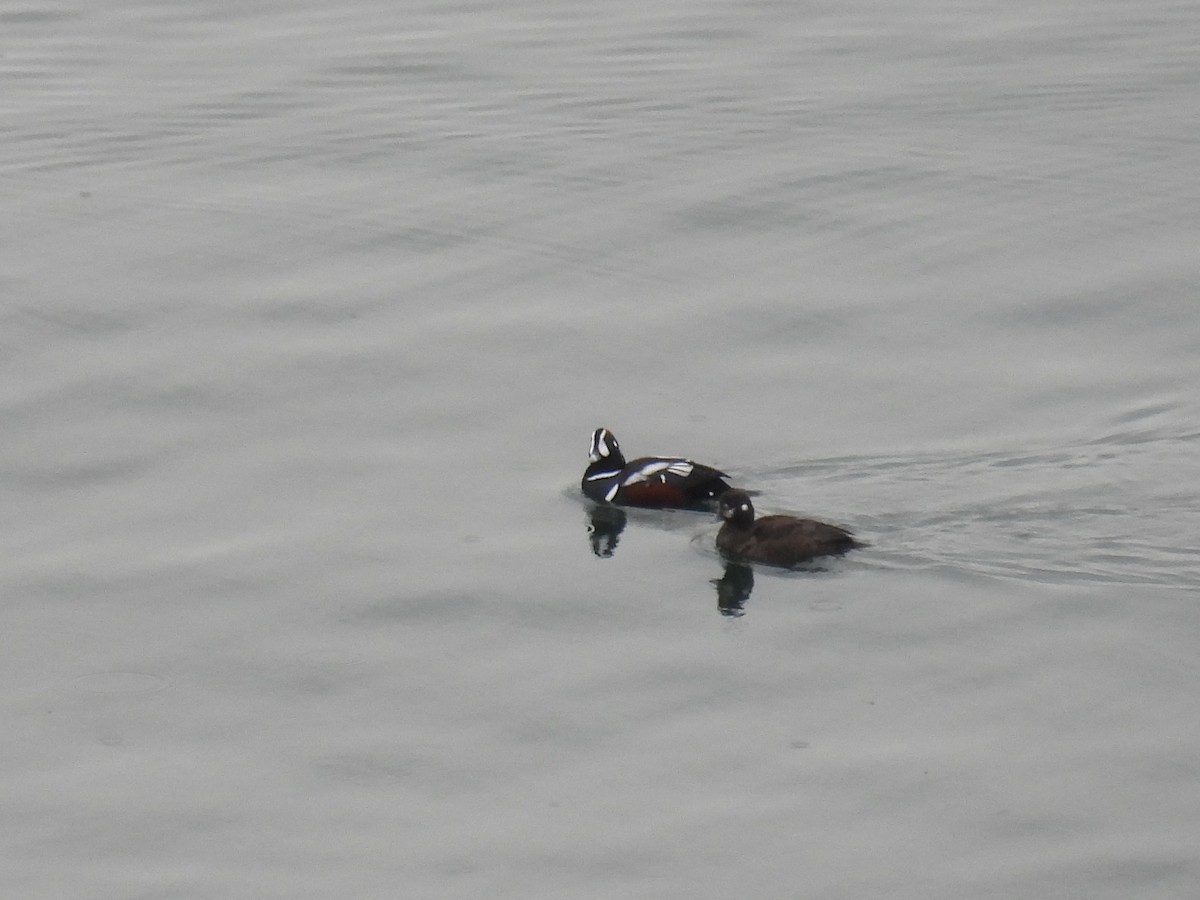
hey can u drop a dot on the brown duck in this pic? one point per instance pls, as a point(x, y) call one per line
point(775, 540)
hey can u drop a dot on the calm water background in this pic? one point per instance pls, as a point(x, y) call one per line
point(308, 311)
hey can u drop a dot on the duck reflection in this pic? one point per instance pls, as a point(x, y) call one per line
point(605, 524)
point(733, 589)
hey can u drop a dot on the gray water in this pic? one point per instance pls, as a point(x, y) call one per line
point(308, 313)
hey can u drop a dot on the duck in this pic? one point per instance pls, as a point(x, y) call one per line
point(784, 541)
point(660, 482)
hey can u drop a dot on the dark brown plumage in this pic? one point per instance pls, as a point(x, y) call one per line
point(775, 540)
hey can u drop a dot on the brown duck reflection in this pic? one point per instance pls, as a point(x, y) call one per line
point(733, 589)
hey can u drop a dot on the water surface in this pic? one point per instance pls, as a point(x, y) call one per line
point(308, 315)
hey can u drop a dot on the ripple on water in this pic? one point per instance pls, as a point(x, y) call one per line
point(1079, 512)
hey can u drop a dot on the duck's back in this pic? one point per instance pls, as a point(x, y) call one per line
point(784, 540)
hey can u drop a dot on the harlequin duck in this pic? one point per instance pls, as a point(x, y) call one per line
point(775, 540)
point(657, 481)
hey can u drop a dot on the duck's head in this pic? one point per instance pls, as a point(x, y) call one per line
point(605, 446)
point(735, 506)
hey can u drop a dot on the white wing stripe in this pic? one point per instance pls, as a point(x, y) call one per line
point(680, 468)
point(600, 476)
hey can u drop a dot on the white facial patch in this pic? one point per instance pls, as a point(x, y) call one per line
point(599, 448)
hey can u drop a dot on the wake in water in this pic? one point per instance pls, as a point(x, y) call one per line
point(1120, 508)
